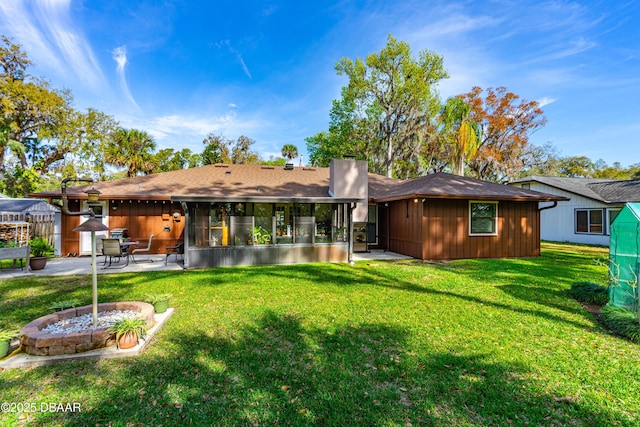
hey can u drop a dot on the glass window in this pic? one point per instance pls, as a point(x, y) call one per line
point(483, 218)
point(323, 223)
point(200, 225)
point(582, 221)
point(263, 228)
point(241, 224)
point(372, 226)
point(284, 223)
point(590, 221)
point(219, 229)
point(340, 223)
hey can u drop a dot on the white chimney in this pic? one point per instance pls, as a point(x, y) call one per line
point(349, 178)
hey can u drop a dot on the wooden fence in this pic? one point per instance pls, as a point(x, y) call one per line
point(40, 225)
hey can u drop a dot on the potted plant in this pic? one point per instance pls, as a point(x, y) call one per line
point(39, 250)
point(160, 302)
point(128, 331)
point(5, 341)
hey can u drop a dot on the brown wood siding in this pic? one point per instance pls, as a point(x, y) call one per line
point(405, 225)
point(439, 229)
point(141, 218)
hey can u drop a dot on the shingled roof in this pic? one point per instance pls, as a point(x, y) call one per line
point(444, 185)
point(213, 181)
point(257, 181)
point(599, 189)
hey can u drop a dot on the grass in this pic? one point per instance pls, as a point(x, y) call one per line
point(470, 342)
point(622, 321)
point(589, 292)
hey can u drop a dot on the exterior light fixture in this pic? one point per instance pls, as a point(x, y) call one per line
point(92, 225)
point(93, 195)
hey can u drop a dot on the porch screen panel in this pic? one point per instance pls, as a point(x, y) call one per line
point(323, 223)
point(200, 226)
point(219, 230)
point(263, 229)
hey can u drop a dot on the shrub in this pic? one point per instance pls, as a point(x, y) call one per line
point(63, 305)
point(6, 335)
point(589, 292)
point(621, 321)
point(154, 298)
point(40, 247)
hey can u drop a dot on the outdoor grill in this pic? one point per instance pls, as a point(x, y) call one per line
point(117, 233)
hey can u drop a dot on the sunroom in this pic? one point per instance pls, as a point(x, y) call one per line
point(263, 231)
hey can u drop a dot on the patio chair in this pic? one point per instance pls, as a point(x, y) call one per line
point(111, 248)
point(146, 249)
point(178, 250)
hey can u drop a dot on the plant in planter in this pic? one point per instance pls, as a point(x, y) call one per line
point(63, 305)
point(40, 248)
point(5, 341)
point(261, 236)
point(128, 331)
point(160, 302)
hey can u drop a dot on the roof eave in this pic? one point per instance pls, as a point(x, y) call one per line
point(266, 199)
point(471, 197)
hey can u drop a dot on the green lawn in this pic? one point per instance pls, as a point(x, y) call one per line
point(474, 342)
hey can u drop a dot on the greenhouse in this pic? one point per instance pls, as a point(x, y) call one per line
point(624, 258)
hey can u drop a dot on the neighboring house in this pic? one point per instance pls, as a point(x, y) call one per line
point(254, 214)
point(587, 216)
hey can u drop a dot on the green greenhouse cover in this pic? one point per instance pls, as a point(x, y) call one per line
point(624, 257)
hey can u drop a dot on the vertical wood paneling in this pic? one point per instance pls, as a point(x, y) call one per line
point(444, 229)
point(140, 218)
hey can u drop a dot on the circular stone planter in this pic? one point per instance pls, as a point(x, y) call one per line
point(35, 342)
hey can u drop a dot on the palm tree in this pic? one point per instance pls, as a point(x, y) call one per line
point(460, 135)
point(289, 151)
point(133, 149)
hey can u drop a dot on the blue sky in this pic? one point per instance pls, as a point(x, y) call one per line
point(181, 69)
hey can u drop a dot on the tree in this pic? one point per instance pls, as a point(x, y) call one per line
point(576, 167)
point(540, 160)
point(615, 171)
point(40, 130)
point(349, 133)
point(388, 104)
point(505, 125)
point(216, 150)
point(168, 159)
point(289, 151)
point(241, 152)
point(133, 149)
point(458, 135)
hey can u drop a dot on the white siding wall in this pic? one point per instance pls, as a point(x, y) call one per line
point(558, 224)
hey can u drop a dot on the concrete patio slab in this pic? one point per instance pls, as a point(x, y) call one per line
point(82, 265)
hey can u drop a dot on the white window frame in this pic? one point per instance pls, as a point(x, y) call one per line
point(495, 219)
point(604, 224)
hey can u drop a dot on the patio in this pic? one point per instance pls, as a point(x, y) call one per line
point(82, 265)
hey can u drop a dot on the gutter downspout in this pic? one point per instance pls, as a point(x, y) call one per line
point(350, 236)
point(555, 203)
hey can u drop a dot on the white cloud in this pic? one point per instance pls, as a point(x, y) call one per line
point(236, 53)
point(120, 56)
point(45, 29)
point(546, 101)
point(187, 131)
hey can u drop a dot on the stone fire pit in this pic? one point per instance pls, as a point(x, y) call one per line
point(35, 341)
